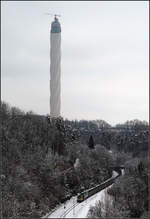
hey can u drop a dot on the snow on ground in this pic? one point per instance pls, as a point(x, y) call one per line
point(80, 210)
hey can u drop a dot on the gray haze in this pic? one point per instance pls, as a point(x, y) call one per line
point(104, 58)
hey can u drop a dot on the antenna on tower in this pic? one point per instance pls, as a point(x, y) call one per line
point(55, 15)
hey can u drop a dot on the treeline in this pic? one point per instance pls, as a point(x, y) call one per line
point(44, 163)
point(130, 137)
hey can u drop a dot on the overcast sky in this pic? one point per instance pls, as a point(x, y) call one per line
point(104, 63)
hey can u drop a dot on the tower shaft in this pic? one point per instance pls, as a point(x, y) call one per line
point(55, 73)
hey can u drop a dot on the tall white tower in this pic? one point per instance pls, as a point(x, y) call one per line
point(55, 68)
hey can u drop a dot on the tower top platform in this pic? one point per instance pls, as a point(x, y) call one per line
point(55, 26)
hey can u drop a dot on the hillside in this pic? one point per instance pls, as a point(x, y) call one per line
point(47, 161)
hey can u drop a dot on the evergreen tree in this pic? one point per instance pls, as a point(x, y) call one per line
point(91, 142)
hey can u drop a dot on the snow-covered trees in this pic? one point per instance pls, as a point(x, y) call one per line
point(131, 190)
point(128, 197)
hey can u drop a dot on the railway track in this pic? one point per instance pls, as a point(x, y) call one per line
point(68, 210)
point(64, 213)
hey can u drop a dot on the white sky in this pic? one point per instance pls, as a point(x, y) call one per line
point(104, 64)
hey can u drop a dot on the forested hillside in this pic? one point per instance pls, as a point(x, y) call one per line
point(129, 196)
point(44, 163)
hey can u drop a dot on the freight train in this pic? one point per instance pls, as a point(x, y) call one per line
point(88, 193)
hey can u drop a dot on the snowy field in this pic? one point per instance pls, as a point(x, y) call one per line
point(72, 209)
